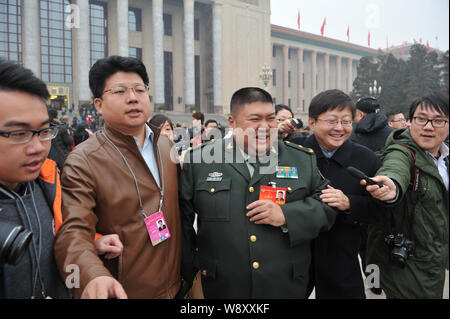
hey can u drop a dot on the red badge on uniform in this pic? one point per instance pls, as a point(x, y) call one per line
point(274, 194)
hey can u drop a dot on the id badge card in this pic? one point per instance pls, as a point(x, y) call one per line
point(157, 228)
point(274, 194)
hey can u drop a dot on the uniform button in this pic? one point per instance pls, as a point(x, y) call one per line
point(251, 189)
point(212, 190)
point(255, 265)
point(204, 272)
point(253, 238)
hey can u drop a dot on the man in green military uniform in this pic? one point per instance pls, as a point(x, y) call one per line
point(248, 243)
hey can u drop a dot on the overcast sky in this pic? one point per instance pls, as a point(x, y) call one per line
point(394, 20)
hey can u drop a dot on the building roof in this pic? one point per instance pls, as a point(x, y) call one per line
point(313, 39)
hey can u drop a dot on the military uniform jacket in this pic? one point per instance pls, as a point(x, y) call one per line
point(237, 258)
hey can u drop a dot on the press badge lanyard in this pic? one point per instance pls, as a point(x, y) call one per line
point(161, 189)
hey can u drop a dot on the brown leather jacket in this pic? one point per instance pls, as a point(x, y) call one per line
point(99, 195)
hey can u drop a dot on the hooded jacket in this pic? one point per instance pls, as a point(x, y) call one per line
point(372, 132)
point(424, 222)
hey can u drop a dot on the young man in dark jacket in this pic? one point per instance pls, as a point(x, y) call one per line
point(371, 128)
point(30, 191)
point(336, 270)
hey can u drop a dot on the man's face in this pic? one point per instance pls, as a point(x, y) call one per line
point(398, 121)
point(428, 137)
point(283, 115)
point(22, 162)
point(126, 112)
point(251, 127)
point(210, 126)
point(331, 137)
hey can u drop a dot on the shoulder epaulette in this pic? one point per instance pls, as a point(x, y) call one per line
point(300, 147)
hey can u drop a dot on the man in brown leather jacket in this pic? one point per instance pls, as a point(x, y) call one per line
point(111, 183)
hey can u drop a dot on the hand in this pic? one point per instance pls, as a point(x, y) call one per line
point(104, 287)
point(286, 126)
point(385, 193)
point(335, 198)
point(109, 245)
point(266, 212)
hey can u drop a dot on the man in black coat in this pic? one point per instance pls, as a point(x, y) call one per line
point(337, 273)
point(371, 128)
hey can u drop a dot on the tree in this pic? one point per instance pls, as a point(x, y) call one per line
point(393, 79)
point(367, 72)
point(443, 71)
point(423, 74)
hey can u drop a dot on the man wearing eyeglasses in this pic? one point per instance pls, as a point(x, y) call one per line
point(396, 120)
point(28, 187)
point(336, 272)
point(415, 175)
point(120, 181)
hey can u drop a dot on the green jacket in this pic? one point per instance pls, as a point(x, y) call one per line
point(426, 223)
point(237, 258)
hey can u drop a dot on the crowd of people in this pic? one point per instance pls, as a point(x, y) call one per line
point(260, 207)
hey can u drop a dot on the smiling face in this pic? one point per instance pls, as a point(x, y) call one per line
point(428, 137)
point(127, 113)
point(252, 126)
point(22, 162)
point(331, 137)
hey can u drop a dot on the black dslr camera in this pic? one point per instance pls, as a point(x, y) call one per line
point(297, 123)
point(14, 240)
point(401, 248)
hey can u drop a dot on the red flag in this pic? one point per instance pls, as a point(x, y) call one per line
point(436, 37)
point(403, 49)
point(348, 33)
point(298, 19)
point(368, 39)
point(428, 47)
point(322, 29)
point(420, 40)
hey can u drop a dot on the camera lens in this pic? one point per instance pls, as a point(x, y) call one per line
point(14, 240)
point(297, 123)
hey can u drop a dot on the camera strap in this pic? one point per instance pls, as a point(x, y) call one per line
point(413, 188)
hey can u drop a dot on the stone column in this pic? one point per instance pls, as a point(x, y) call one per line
point(122, 27)
point(327, 70)
point(338, 72)
point(158, 53)
point(83, 53)
point(31, 36)
point(300, 79)
point(285, 74)
point(217, 57)
point(313, 73)
point(189, 56)
point(349, 75)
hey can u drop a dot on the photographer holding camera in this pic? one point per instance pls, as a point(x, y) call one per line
point(410, 243)
point(287, 124)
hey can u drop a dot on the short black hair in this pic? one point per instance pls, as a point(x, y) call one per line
point(14, 77)
point(159, 119)
point(104, 68)
point(210, 121)
point(330, 100)
point(437, 100)
point(280, 107)
point(248, 95)
point(390, 115)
